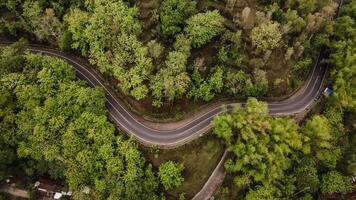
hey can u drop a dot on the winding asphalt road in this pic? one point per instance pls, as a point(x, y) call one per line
point(173, 134)
point(180, 133)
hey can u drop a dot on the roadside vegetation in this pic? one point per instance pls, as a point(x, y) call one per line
point(52, 124)
point(199, 158)
point(275, 158)
point(158, 54)
point(162, 52)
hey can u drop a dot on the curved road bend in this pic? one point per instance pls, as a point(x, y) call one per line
point(189, 130)
point(185, 132)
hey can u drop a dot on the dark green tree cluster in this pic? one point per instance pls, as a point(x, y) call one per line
point(110, 34)
point(107, 31)
point(53, 124)
point(41, 18)
point(275, 158)
point(173, 15)
point(342, 59)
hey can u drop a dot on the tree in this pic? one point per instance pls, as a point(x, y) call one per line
point(173, 14)
point(342, 60)
point(170, 82)
point(77, 20)
point(131, 52)
point(294, 22)
point(266, 36)
point(222, 128)
point(263, 192)
point(12, 58)
point(182, 45)
point(50, 27)
point(319, 141)
point(125, 57)
point(170, 174)
point(334, 182)
point(207, 89)
point(155, 48)
point(262, 145)
point(238, 83)
point(231, 48)
point(260, 83)
point(7, 157)
point(65, 41)
point(307, 6)
point(58, 125)
point(203, 27)
point(44, 24)
point(306, 175)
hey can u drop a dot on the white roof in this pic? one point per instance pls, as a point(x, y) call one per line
point(57, 195)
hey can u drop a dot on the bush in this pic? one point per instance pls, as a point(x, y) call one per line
point(170, 174)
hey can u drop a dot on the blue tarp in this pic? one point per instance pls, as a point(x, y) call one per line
point(328, 91)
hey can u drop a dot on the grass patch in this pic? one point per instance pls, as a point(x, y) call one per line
point(200, 158)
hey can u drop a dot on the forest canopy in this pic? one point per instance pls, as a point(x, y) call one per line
point(160, 54)
point(158, 51)
point(51, 123)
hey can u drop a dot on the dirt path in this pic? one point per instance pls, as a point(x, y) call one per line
point(15, 191)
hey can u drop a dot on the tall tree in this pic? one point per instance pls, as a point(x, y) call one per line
point(262, 145)
point(319, 140)
point(172, 81)
point(266, 36)
point(203, 27)
point(123, 57)
point(173, 14)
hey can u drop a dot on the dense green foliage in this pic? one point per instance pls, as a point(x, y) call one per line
point(321, 166)
point(343, 57)
point(275, 158)
point(170, 174)
point(262, 145)
point(126, 58)
point(202, 27)
point(334, 182)
point(266, 36)
point(157, 51)
point(173, 15)
point(50, 123)
point(58, 126)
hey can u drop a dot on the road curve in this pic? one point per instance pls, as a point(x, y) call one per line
point(182, 133)
point(152, 134)
point(179, 133)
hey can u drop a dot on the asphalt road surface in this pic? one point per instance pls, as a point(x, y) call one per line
point(183, 132)
point(173, 134)
point(149, 134)
point(179, 133)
